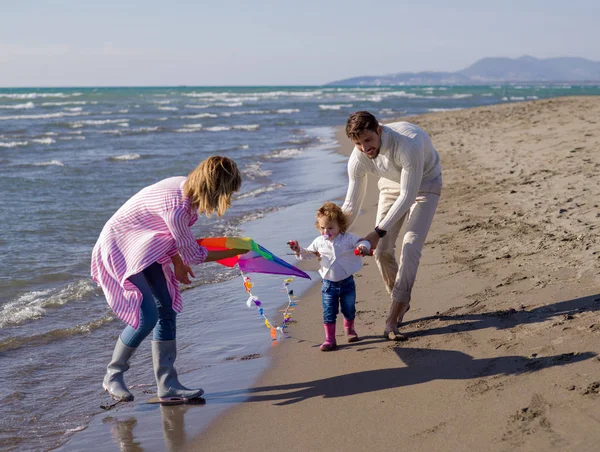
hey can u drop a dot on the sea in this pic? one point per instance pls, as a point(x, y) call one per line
point(70, 157)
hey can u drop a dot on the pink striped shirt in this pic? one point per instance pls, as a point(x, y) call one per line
point(151, 226)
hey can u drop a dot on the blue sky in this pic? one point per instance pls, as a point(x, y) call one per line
point(268, 42)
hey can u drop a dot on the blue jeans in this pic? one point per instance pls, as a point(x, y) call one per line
point(156, 312)
point(338, 293)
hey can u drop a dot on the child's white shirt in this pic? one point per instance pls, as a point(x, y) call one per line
point(338, 260)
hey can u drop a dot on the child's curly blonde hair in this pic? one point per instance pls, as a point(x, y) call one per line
point(332, 212)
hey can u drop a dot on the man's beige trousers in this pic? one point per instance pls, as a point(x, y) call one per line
point(399, 279)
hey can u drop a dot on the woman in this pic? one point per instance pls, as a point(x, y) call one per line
point(132, 260)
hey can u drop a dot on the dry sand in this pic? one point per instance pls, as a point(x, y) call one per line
point(504, 328)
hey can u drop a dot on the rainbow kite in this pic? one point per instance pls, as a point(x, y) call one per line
point(257, 260)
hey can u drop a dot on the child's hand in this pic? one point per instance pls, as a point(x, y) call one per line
point(294, 246)
point(363, 251)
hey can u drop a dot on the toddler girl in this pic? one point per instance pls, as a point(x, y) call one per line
point(335, 249)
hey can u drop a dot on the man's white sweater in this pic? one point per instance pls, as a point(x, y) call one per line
point(407, 157)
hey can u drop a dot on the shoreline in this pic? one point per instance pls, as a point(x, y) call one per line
point(503, 321)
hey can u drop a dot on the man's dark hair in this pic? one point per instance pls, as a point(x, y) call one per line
point(359, 122)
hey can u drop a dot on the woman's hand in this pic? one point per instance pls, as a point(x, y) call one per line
point(181, 273)
point(181, 270)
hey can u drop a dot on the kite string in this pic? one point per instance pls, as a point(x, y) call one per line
point(253, 300)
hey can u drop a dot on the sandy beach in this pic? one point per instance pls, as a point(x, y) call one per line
point(504, 329)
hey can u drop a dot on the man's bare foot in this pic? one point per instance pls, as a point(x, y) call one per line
point(392, 334)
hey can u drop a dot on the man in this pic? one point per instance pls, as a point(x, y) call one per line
point(410, 183)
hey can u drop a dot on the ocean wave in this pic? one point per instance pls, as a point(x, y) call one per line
point(36, 95)
point(335, 106)
point(197, 106)
point(33, 305)
point(167, 108)
point(248, 127)
point(50, 163)
point(218, 128)
point(99, 122)
point(227, 104)
point(200, 115)
point(287, 111)
point(60, 104)
point(284, 153)
point(254, 170)
point(25, 106)
point(42, 116)
point(13, 144)
point(44, 140)
point(260, 191)
point(126, 157)
point(36, 340)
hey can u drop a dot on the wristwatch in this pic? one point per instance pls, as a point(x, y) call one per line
point(380, 232)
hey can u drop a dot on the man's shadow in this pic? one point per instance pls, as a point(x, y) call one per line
point(503, 319)
point(422, 365)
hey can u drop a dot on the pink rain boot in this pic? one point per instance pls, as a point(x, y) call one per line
point(351, 335)
point(329, 343)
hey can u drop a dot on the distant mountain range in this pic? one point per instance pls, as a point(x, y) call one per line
point(493, 70)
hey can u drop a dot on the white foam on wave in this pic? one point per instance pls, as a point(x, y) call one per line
point(36, 95)
point(50, 163)
point(284, 153)
point(168, 108)
point(60, 104)
point(259, 191)
point(99, 122)
point(228, 104)
point(33, 305)
point(197, 106)
point(74, 109)
point(126, 157)
point(246, 112)
point(247, 127)
point(42, 116)
point(146, 129)
point(13, 144)
point(44, 140)
point(335, 106)
point(189, 128)
point(195, 94)
point(287, 111)
point(254, 170)
point(218, 128)
point(200, 115)
point(25, 106)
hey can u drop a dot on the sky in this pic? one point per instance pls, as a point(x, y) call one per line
point(269, 42)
